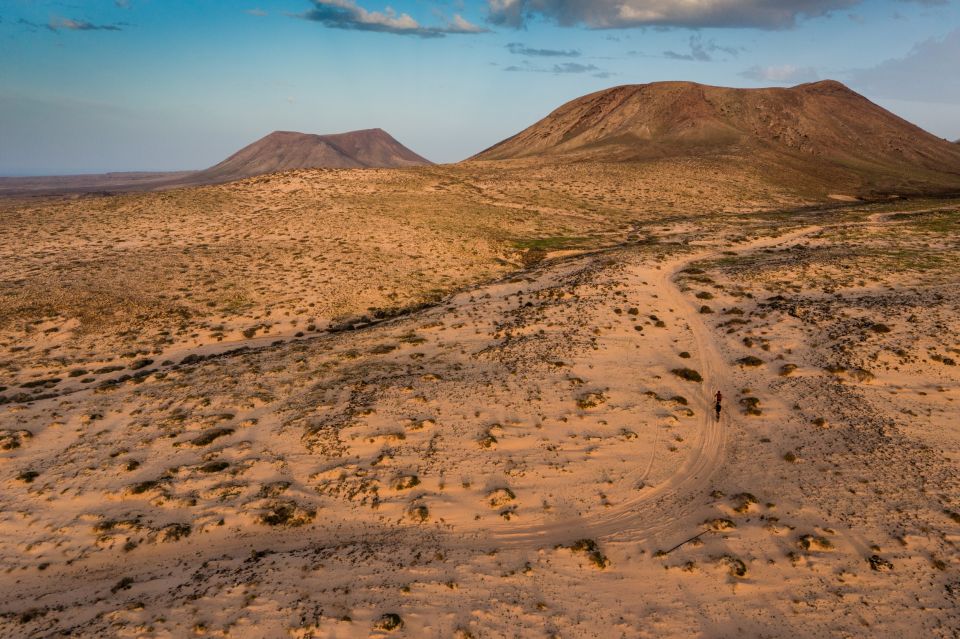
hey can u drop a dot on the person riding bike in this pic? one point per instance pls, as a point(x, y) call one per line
point(719, 400)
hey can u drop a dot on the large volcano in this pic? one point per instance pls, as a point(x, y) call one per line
point(822, 132)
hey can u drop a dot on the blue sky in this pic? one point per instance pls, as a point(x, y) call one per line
point(112, 85)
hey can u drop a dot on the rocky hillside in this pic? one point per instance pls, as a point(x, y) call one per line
point(822, 135)
point(286, 150)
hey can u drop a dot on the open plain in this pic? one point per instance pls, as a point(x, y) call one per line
point(476, 401)
point(499, 319)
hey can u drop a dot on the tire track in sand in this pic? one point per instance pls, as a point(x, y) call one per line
point(659, 514)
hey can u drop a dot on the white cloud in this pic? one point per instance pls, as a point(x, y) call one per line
point(928, 73)
point(347, 14)
point(609, 14)
point(781, 74)
point(459, 24)
point(68, 24)
point(700, 50)
point(518, 48)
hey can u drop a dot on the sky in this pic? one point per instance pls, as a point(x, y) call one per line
point(89, 86)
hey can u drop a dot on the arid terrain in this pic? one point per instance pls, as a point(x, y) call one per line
point(476, 400)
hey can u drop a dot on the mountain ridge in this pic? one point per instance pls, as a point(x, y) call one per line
point(822, 128)
point(276, 151)
point(287, 150)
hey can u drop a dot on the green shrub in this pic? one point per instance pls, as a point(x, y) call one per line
point(388, 622)
point(688, 374)
point(592, 550)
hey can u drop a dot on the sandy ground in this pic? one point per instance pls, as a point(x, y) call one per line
point(533, 453)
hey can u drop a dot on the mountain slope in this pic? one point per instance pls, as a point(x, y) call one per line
point(823, 130)
point(286, 150)
point(279, 151)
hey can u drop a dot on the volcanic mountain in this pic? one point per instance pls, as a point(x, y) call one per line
point(279, 151)
point(821, 134)
point(285, 150)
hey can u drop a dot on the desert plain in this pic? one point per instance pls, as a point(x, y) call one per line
point(476, 400)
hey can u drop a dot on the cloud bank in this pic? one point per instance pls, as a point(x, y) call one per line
point(701, 51)
point(781, 74)
point(347, 14)
point(615, 14)
point(518, 48)
point(928, 72)
point(58, 24)
point(68, 24)
point(563, 68)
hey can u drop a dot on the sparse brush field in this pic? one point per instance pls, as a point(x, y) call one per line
point(476, 401)
point(91, 283)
